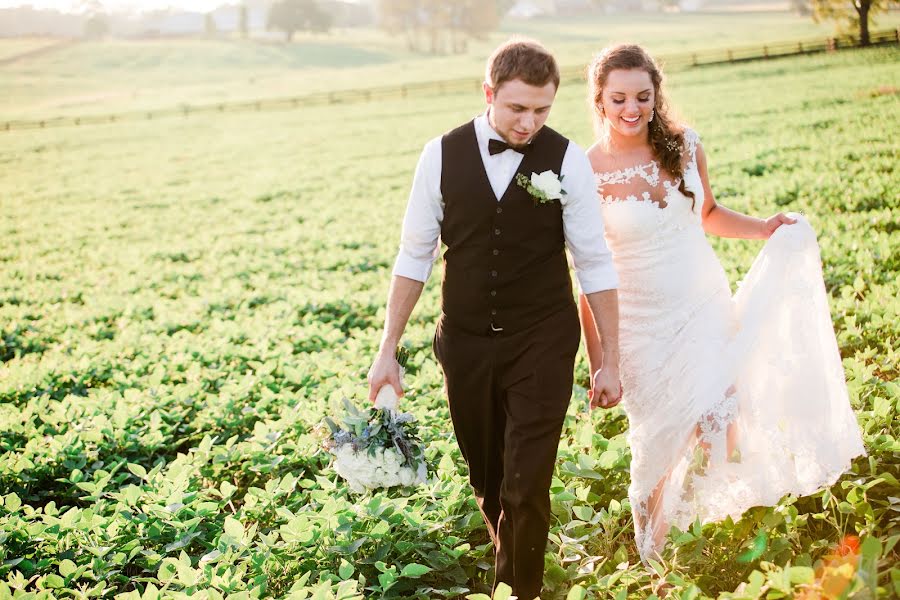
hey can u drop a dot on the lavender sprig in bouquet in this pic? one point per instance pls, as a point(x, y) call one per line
point(378, 447)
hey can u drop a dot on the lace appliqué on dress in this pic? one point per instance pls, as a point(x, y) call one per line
point(626, 175)
point(674, 500)
point(649, 172)
point(714, 427)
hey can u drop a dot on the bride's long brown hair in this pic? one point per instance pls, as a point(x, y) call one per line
point(666, 136)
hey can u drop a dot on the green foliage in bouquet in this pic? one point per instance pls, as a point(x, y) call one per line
point(402, 356)
point(373, 428)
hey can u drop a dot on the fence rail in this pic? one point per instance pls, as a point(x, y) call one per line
point(671, 62)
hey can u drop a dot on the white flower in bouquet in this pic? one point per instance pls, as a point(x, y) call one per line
point(382, 468)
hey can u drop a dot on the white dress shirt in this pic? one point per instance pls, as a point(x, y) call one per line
point(582, 221)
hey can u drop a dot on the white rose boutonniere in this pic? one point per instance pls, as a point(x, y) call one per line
point(544, 187)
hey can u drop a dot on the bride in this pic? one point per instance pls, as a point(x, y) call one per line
point(732, 401)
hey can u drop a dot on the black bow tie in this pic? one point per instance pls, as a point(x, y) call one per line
point(497, 146)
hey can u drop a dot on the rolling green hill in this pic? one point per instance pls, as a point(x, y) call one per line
point(122, 75)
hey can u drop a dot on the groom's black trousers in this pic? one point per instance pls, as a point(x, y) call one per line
point(508, 395)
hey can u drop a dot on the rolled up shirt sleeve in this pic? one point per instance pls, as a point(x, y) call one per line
point(420, 237)
point(583, 225)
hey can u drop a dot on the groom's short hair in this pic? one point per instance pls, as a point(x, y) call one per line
point(524, 59)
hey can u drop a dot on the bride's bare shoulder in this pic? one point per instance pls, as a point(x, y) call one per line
point(599, 157)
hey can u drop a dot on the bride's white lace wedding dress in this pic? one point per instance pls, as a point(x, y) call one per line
point(732, 401)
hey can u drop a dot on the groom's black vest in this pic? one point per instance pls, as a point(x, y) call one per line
point(505, 264)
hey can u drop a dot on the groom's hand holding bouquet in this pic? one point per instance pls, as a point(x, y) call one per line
point(384, 375)
point(379, 447)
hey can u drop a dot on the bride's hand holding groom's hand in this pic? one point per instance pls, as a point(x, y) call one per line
point(606, 388)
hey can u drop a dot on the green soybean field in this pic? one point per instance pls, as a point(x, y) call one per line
point(184, 300)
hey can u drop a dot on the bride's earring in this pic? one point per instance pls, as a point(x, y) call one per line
point(652, 112)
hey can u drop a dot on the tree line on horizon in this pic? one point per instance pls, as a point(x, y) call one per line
point(431, 26)
point(446, 26)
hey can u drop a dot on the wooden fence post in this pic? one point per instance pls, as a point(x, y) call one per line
point(832, 44)
point(766, 51)
point(694, 58)
point(730, 56)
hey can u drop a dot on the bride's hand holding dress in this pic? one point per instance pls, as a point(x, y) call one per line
point(723, 222)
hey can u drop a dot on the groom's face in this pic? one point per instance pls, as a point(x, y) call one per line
point(518, 110)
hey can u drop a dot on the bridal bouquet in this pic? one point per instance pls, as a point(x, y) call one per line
point(378, 447)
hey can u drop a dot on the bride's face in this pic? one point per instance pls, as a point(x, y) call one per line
point(519, 110)
point(628, 99)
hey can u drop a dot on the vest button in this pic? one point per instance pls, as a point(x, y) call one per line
point(493, 292)
point(497, 231)
point(499, 210)
point(496, 252)
point(493, 311)
point(493, 273)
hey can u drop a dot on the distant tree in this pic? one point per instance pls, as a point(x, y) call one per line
point(243, 21)
point(435, 25)
point(399, 17)
point(801, 7)
point(96, 26)
point(852, 14)
point(482, 18)
point(209, 24)
point(291, 16)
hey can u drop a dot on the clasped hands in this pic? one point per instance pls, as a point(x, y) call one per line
point(606, 388)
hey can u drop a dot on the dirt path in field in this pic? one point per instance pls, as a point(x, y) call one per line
point(39, 51)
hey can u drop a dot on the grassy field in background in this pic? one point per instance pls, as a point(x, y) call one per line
point(120, 75)
point(183, 301)
point(10, 47)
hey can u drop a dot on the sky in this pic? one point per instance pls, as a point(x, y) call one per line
point(118, 5)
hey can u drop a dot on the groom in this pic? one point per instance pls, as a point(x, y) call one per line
point(509, 330)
